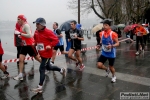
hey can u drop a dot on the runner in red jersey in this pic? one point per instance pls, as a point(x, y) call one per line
point(28, 46)
point(3, 67)
point(45, 40)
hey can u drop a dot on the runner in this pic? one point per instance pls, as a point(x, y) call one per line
point(109, 40)
point(60, 44)
point(139, 31)
point(145, 35)
point(17, 42)
point(75, 36)
point(45, 40)
point(27, 45)
point(3, 67)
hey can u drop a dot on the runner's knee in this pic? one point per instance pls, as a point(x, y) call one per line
point(99, 65)
point(69, 55)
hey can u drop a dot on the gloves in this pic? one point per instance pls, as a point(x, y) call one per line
point(17, 32)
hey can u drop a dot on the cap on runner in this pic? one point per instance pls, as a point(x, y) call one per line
point(107, 21)
point(22, 17)
point(40, 21)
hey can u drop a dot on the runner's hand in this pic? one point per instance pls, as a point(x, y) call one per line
point(17, 32)
point(109, 46)
point(75, 36)
point(48, 47)
point(98, 47)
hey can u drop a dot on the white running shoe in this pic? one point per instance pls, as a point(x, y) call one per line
point(107, 72)
point(137, 53)
point(5, 76)
point(63, 72)
point(81, 67)
point(37, 90)
point(113, 80)
point(18, 78)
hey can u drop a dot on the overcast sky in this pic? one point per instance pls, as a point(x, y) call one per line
point(51, 10)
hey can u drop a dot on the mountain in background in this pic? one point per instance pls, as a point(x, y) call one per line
point(86, 23)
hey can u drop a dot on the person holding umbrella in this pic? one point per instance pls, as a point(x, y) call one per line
point(97, 29)
point(109, 42)
point(139, 31)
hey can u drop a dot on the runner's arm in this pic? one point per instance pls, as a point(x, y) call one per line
point(80, 37)
point(27, 30)
point(116, 42)
point(59, 34)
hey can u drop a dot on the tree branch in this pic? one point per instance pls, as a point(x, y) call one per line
point(92, 6)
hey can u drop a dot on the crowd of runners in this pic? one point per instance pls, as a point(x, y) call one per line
point(44, 43)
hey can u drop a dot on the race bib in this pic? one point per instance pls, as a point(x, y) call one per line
point(72, 36)
point(139, 34)
point(40, 46)
point(104, 47)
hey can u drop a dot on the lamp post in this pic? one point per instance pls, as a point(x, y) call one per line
point(79, 11)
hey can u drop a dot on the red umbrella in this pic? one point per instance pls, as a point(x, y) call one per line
point(128, 28)
point(134, 25)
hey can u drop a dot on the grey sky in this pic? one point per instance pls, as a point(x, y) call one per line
point(51, 10)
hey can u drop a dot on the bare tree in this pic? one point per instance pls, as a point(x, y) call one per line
point(118, 10)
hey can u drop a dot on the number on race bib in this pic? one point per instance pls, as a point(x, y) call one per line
point(40, 46)
point(104, 47)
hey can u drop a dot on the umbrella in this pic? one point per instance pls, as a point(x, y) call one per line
point(134, 25)
point(128, 28)
point(121, 25)
point(114, 27)
point(106, 19)
point(97, 28)
point(65, 26)
point(78, 26)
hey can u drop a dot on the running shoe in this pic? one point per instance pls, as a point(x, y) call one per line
point(137, 53)
point(113, 80)
point(37, 90)
point(63, 72)
point(5, 76)
point(18, 78)
point(81, 67)
point(107, 72)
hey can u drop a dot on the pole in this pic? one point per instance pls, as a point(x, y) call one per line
point(79, 11)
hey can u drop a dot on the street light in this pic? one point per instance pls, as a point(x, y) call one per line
point(79, 11)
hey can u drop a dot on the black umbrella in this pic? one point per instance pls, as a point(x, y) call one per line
point(65, 26)
point(114, 27)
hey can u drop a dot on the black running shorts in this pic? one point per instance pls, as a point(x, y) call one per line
point(31, 50)
point(1, 58)
point(76, 48)
point(103, 59)
point(61, 48)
